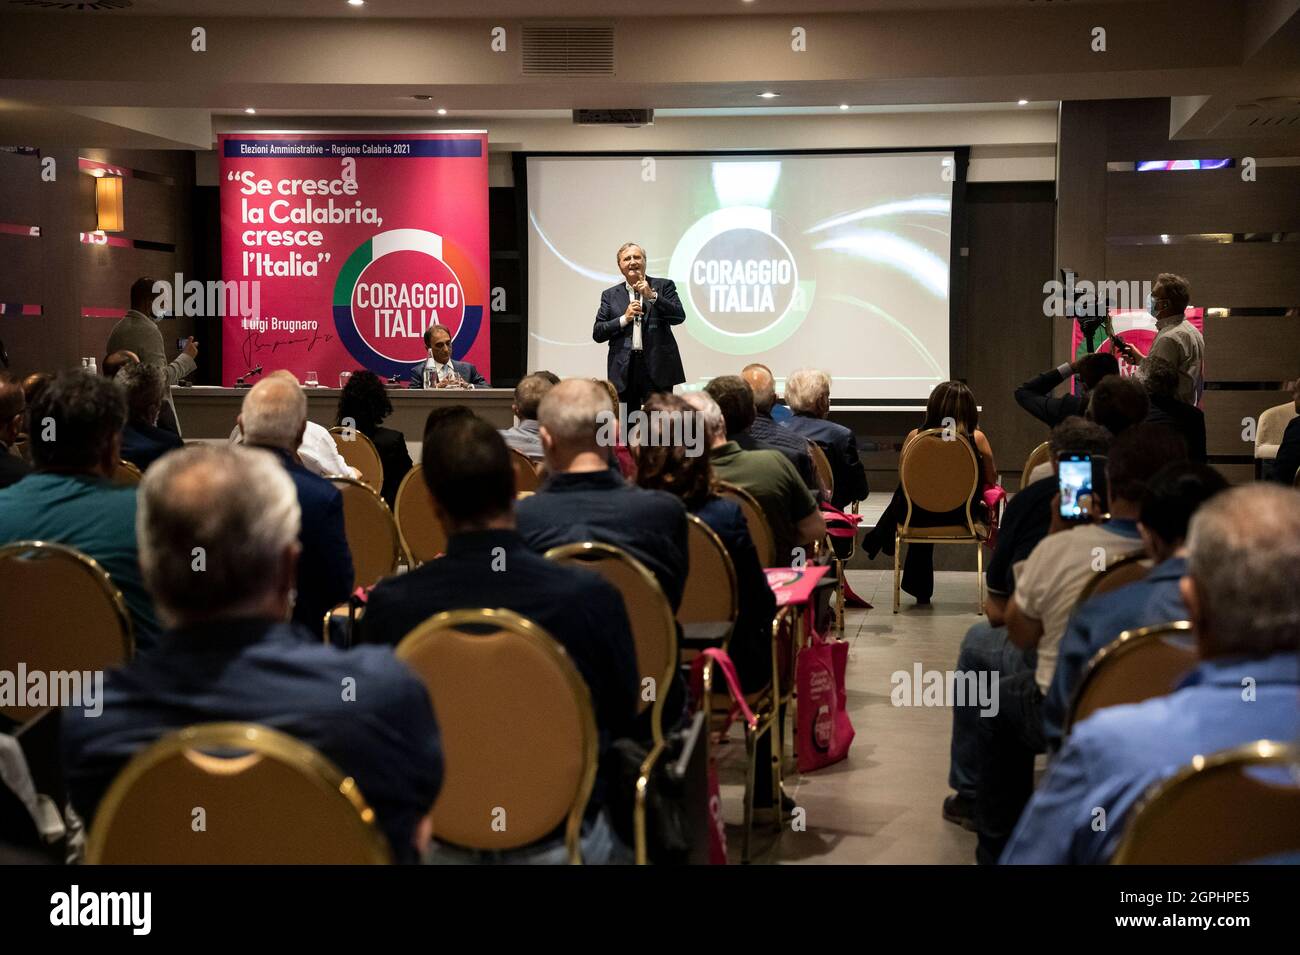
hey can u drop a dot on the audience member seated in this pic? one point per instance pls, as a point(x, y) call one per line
point(1167, 507)
point(619, 455)
point(317, 451)
point(950, 405)
point(1243, 548)
point(1161, 381)
point(1035, 395)
point(143, 442)
point(523, 436)
point(808, 392)
point(364, 404)
point(229, 653)
point(116, 361)
point(790, 508)
point(584, 498)
point(1118, 403)
point(273, 416)
point(764, 433)
point(1288, 452)
point(12, 405)
point(467, 469)
point(1047, 589)
point(75, 427)
point(667, 465)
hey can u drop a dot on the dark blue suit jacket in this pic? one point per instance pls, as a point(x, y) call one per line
point(463, 368)
point(325, 564)
point(601, 506)
point(267, 672)
point(583, 612)
point(663, 362)
point(841, 449)
point(143, 444)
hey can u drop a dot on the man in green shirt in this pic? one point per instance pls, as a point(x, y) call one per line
point(788, 505)
point(75, 424)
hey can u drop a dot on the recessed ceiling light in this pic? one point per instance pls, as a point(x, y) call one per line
point(249, 110)
point(356, 3)
point(1023, 102)
point(844, 105)
point(768, 94)
point(442, 112)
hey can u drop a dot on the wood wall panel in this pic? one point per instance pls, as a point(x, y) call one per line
point(20, 206)
point(107, 272)
point(21, 261)
point(1236, 275)
point(1211, 200)
point(1224, 411)
point(1252, 348)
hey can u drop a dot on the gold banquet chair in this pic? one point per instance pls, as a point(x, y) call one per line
point(359, 451)
point(517, 728)
point(70, 615)
point(421, 534)
point(1135, 666)
point(711, 598)
point(1040, 455)
point(823, 466)
point(527, 477)
point(653, 628)
point(265, 797)
point(1125, 570)
point(126, 473)
point(939, 475)
point(1235, 806)
point(760, 531)
point(371, 532)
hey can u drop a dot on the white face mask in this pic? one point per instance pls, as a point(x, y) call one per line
point(1151, 307)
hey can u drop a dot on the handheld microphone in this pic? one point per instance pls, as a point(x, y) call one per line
point(240, 383)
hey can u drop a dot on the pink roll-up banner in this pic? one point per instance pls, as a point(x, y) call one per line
point(357, 243)
point(1137, 328)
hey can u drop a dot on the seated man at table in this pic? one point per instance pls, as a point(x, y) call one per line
point(468, 472)
point(230, 653)
point(1242, 551)
point(585, 499)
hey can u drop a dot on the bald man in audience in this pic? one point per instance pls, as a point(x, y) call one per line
point(585, 499)
point(1243, 548)
point(230, 654)
point(12, 405)
point(317, 450)
point(274, 416)
point(762, 432)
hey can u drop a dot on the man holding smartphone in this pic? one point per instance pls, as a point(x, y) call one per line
point(1048, 584)
point(1177, 340)
point(138, 332)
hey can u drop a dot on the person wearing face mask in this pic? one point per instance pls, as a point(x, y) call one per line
point(1177, 340)
point(636, 318)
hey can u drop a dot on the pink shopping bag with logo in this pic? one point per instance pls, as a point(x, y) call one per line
point(824, 731)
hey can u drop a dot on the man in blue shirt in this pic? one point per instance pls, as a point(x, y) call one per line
point(231, 654)
point(75, 423)
point(1167, 507)
point(1243, 548)
point(808, 392)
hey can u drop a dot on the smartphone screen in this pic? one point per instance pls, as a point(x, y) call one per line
point(180, 344)
point(1074, 476)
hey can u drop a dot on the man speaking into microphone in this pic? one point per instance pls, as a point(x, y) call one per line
point(636, 318)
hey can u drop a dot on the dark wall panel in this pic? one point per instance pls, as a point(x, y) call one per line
point(1210, 200)
point(1225, 412)
point(1252, 348)
point(1235, 275)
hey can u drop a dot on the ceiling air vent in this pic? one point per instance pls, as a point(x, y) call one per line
point(568, 49)
point(85, 6)
point(614, 117)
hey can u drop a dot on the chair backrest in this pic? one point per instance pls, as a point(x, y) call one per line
point(1272, 424)
point(760, 531)
point(62, 613)
point(711, 593)
point(422, 535)
point(1135, 666)
point(526, 476)
point(938, 472)
point(1040, 455)
point(1236, 806)
point(517, 729)
point(360, 452)
point(1126, 570)
point(265, 798)
point(371, 531)
point(126, 473)
point(653, 628)
point(823, 466)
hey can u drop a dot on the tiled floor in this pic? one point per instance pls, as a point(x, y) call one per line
point(881, 804)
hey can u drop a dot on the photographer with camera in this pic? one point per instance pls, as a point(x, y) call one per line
point(1035, 395)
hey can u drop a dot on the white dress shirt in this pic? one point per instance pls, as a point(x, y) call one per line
point(633, 295)
point(318, 452)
